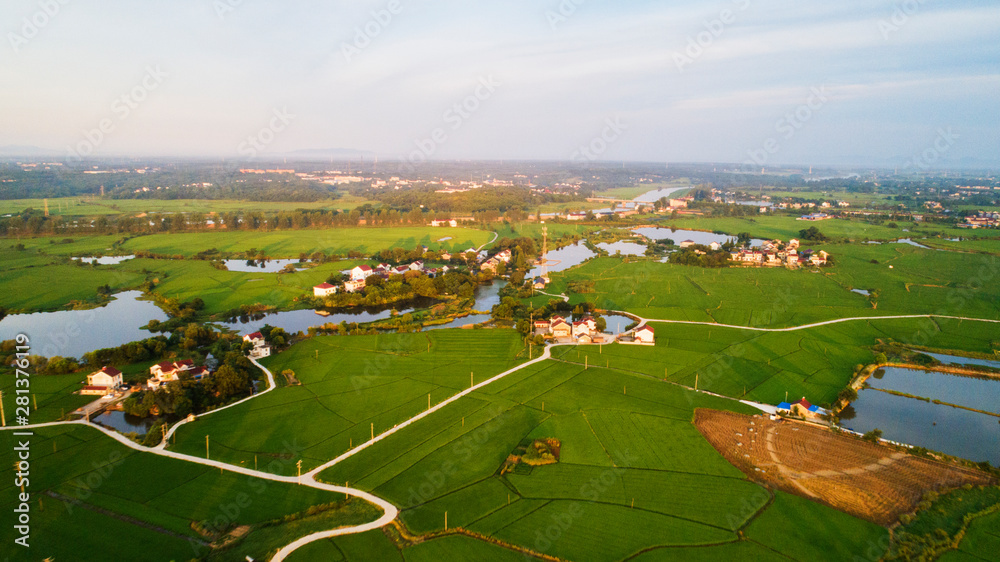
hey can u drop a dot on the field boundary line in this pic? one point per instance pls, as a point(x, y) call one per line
point(815, 324)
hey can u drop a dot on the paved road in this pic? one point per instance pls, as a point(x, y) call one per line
point(805, 326)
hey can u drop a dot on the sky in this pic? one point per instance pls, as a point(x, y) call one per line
point(865, 82)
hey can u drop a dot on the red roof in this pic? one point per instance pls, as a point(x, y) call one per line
point(111, 371)
point(804, 403)
point(165, 365)
point(646, 328)
point(365, 268)
point(323, 286)
point(256, 336)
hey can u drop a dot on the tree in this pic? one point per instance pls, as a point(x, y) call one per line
point(813, 234)
point(848, 395)
point(873, 435)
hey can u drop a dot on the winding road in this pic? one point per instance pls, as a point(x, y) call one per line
point(390, 512)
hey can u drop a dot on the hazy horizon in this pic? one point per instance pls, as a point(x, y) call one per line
point(881, 83)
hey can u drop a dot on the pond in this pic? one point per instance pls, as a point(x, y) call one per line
point(293, 321)
point(910, 242)
point(616, 323)
point(106, 260)
point(564, 258)
point(861, 292)
point(958, 360)
point(71, 333)
point(260, 266)
point(938, 427)
point(697, 236)
point(626, 248)
point(125, 423)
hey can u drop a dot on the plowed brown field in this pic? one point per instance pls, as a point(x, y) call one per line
point(870, 481)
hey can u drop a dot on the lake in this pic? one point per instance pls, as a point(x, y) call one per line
point(656, 195)
point(954, 431)
point(958, 360)
point(564, 258)
point(270, 266)
point(293, 321)
point(697, 236)
point(626, 248)
point(71, 333)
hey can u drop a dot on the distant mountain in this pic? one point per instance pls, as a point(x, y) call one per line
point(335, 153)
point(11, 150)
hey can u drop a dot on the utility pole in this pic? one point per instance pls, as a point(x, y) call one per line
point(446, 521)
point(206, 446)
point(299, 466)
point(428, 401)
point(3, 419)
point(472, 380)
point(696, 381)
point(373, 431)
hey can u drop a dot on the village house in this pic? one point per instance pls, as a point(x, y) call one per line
point(560, 328)
point(361, 272)
point(354, 286)
point(645, 335)
point(687, 243)
point(260, 347)
point(324, 290)
point(102, 382)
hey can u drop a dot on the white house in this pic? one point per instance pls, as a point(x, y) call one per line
point(108, 377)
point(324, 290)
point(361, 272)
point(687, 243)
point(715, 246)
point(260, 347)
point(645, 334)
point(354, 286)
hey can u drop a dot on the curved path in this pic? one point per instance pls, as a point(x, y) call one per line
point(804, 326)
point(495, 236)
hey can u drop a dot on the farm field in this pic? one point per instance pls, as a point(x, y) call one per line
point(869, 481)
point(634, 475)
point(225, 290)
point(52, 393)
point(920, 282)
point(92, 206)
point(52, 287)
point(86, 487)
point(289, 244)
point(350, 385)
point(815, 363)
point(786, 227)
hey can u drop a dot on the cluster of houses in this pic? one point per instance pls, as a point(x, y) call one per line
point(982, 219)
point(168, 371)
point(584, 331)
point(492, 263)
point(360, 274)
point(771, 254)
point(108, 379)
point(815, 217)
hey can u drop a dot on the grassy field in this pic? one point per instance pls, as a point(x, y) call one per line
point(349, 385)
point(786, 227)
point(815, 363)
point(225, 290)
point(634, 475)
point(93, 206)
point(86, 488)
point(920, 282)
point(289, 244)
point(53, 394)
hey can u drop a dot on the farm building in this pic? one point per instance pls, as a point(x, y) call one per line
point(260, 347)
point(645, 334)
point(361, 272)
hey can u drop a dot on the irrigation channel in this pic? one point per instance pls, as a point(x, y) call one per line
point(390, 511)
